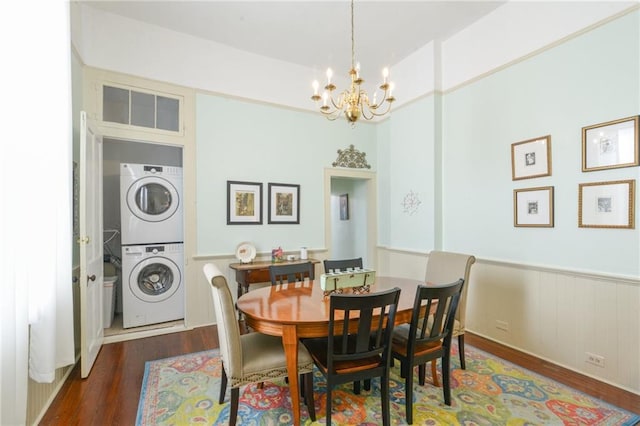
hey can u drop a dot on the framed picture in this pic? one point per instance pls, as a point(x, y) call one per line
point(284, 203)
point(244, 203)
point(610, 145)
point(531, 158)
point(607, 204)
point(344, 207)
point(533, 207)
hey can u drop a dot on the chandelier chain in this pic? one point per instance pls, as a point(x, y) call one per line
point(353, 42)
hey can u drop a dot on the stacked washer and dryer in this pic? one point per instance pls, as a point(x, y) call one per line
point(151, 214)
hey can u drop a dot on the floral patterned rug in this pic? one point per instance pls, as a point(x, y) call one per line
point(184, 391)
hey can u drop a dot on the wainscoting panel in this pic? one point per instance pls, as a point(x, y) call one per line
point(565, 317)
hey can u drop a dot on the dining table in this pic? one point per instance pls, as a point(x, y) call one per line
point(300, 310)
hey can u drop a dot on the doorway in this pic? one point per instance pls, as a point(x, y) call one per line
point(351, 215)
point(115, 152)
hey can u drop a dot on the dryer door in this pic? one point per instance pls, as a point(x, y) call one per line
point(153, 199)
point(155, 279)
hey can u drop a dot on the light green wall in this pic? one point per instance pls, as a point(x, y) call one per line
point(406, 149)
point(458, 163)
point(587, 80)
point(252, 142)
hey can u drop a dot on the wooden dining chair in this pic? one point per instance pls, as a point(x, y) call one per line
point(342, 264)
point(238, 366)
point(427, 338)
point(290, 273)
point(359, 343)
point(445, 267)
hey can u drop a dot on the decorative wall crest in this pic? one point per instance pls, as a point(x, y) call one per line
point(410, 203)
point(351, 158)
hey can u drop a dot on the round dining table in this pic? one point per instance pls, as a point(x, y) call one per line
point(299, 310)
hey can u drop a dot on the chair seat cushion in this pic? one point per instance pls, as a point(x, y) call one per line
point(263, 359)
point(402, 331)
point(318, 349)
point(400, 341)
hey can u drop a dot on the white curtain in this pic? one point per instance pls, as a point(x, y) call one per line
point(35, 200)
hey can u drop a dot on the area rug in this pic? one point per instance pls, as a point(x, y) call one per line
point(184, 391)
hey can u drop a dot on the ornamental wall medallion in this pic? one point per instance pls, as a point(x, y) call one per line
point(411, 203)
point(351, 158)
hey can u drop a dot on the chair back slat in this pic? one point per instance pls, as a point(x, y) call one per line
point(370, 338)
point(342, 264)
point(427, 326)
point(290, 273)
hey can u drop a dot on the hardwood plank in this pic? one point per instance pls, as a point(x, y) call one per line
point(111, 392)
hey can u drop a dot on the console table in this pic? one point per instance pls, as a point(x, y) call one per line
point(258, 272)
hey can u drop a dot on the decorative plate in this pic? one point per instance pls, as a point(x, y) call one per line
point(245, 252)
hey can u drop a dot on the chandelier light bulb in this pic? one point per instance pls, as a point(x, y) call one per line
point(329, 75)
point(315, 86)
point(385, 74)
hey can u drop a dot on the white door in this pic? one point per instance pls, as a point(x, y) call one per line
point(91, 252)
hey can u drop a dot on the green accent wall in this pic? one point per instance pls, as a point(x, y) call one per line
point(244, 141)
point(590, 79)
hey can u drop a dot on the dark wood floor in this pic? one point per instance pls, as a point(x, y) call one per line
point(111, 392)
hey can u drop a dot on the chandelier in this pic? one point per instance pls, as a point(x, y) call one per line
point(355, 101)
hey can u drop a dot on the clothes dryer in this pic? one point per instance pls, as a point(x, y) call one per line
point(153, 284)
point(150, 204)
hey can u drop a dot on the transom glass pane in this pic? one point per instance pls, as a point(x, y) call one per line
point(167, 116)
point(143, 109)
point(115, 105)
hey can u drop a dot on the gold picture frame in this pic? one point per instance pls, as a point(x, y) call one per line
point(533, 207)
point(610, 145)
point(607, 204)
point(531, 158)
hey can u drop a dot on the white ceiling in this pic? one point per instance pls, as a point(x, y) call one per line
point(315, 34)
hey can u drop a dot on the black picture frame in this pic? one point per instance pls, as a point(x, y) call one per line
point(283, 204)
point(244, 203)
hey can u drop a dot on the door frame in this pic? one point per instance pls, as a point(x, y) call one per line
point(372, 202)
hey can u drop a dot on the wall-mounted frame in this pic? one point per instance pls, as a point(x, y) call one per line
point(244, 203)
point(344, 207)
point(607, 204)
point(533, 207)
point(531, 158)
point(284, 203)
point(610, 145)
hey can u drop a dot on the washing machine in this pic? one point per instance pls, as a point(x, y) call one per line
point(152, 284)
point(150, 204)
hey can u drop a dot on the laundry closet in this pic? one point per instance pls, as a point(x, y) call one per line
point(143, 235)
point(142, 127)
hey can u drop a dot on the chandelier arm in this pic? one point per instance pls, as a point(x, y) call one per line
point(384, 92)
point(364, 112)
point(338, 106)
point(380, 114)
point(331, 115)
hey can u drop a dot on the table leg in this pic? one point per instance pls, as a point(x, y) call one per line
point(290, 342)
